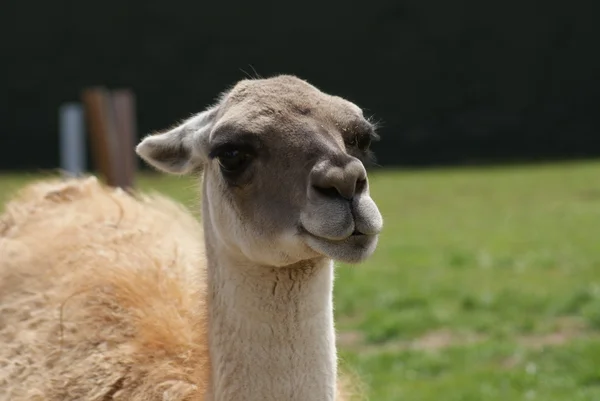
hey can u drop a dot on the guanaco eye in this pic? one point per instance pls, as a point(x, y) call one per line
point(233, 161)
point(362, 142)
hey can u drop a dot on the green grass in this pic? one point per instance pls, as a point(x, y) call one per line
point(485, 284)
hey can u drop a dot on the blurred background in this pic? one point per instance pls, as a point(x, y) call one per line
point(452, 82)
point(486, 282)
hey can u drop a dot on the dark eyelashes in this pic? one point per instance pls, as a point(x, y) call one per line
point(231, 146)
point(242, 141)
point(214, 152)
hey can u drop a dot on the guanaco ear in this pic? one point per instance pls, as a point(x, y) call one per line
point(179, 150)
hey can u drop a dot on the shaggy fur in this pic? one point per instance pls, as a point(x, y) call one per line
point(101, 297)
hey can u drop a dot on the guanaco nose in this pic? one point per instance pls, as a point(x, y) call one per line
point(345, 179)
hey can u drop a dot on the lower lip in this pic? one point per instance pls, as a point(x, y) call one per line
point(355, 234)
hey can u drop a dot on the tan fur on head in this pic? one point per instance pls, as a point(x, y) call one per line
point(302, 190)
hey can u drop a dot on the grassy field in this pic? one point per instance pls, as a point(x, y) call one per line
point(485, 285)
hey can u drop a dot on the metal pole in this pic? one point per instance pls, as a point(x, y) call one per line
point(72, 139)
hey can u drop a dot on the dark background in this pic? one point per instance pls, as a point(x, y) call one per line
point(451, 81)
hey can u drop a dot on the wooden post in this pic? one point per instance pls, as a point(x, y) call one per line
point(96, 101)
point(111, 120)
point(123, 102)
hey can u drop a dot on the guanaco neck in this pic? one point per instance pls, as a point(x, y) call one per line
point(271, 333)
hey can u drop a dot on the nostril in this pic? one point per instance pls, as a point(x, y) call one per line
point(329, 192)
